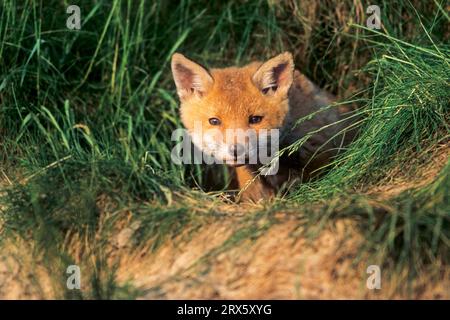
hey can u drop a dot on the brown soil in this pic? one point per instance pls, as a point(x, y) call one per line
point(282, 263)
point(275, 266)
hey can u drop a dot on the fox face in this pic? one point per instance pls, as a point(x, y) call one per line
point(230, 113)
point(235, 113)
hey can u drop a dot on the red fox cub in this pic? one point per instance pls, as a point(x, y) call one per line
point(258, 97)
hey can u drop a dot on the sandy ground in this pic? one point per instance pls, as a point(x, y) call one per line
point(282, 263)
point(276, 266)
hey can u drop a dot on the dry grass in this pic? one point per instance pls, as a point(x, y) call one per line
point(215, 261)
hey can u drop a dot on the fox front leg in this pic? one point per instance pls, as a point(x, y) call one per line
point(252, 188)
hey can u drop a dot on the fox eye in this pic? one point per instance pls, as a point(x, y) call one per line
point(254, 119)
point(271, 88)
point(214, 121)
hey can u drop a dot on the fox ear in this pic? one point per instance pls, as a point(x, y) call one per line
point(275, 76)
point(191, 79)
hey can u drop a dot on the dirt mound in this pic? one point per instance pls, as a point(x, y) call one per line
point(277, 265)
point(229, 257)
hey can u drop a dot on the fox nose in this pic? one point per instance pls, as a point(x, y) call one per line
point(236, 150)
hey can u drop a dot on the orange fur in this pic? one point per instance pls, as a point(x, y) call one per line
point(272, 90)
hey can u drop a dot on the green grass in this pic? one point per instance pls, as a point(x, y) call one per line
point(89, 113)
